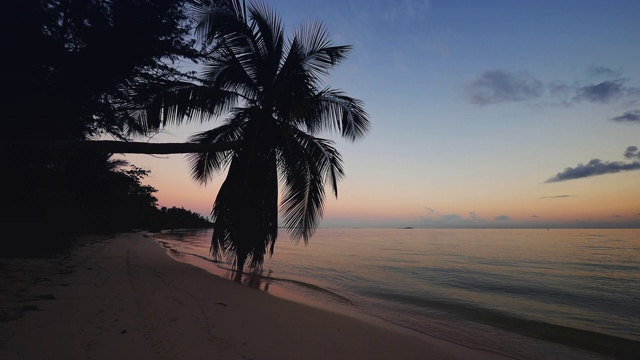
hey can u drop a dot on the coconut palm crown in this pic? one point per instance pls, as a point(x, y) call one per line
point(268, 92)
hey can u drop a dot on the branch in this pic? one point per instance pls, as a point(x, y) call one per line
point(122, 147)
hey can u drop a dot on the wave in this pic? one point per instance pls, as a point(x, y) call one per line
point(340, 298)
point(213, 261)
point(579, 338)
point(267, 278)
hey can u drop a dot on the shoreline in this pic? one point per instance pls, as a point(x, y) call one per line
point(126, 297)
point(490, 331)
point(280, 288)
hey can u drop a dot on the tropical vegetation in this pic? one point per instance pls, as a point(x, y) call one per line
point(81, 70)
point(71, 68)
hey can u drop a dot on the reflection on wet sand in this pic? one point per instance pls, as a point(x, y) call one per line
point(255, 279)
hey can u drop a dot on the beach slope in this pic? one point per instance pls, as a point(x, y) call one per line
point(126, 298)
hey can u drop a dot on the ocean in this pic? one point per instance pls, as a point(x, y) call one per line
point(526, 294)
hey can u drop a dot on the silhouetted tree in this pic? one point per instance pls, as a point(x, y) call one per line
point(180, 218)
point(75, 64)
point(74, 70)
point(271, 90)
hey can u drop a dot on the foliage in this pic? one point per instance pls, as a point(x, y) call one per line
point(269, 90)
point(115, 200)
point(180, 218)
point(76, 70)
point(74, 65)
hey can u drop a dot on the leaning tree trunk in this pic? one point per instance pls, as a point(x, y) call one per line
point(122, 147)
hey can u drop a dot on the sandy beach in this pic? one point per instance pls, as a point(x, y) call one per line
point(124, 297)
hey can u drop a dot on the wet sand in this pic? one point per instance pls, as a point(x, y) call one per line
point(124, 297)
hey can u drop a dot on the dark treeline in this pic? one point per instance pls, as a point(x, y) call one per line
point(179, 218)
point(79, 70)
point(126, 204)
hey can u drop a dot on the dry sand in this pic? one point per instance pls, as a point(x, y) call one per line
point(124, 298)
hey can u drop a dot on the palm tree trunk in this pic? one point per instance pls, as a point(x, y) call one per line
point(239, 267)
point(123, 147)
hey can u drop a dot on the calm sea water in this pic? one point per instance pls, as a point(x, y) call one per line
point(528, 294)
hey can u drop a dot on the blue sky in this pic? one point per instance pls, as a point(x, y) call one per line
point(485, 114)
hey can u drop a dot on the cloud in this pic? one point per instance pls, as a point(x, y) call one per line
point(632, 152)
point(556, 196)
point(598, 167)
point(603, 92)
point(451, 217)
point(616, 216)
point(629, 116)
point(500, 86)
point(401, 11)
point(503, 218)
point(436, 219)
point(445, 220)
point(602, 71)
point(535, 216)
point(603, 86)
point(593, 168)
point(557, 88)
point(432, 211)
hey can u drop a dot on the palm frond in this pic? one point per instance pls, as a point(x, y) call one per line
point(269, 39)
point(238, 60)
point(231, 72)
point(224, 241)
point(215, 18)
point(245, 212)
point(187, 102)
point(305, 163)
point(204, 166)
point(333, 110)
point(294, 86)
point(319, 53)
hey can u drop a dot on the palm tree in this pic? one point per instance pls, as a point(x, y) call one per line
point(269, 90)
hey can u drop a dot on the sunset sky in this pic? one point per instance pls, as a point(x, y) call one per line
point(484, 114)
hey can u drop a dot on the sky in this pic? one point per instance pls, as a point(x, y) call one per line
point(485, 114)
